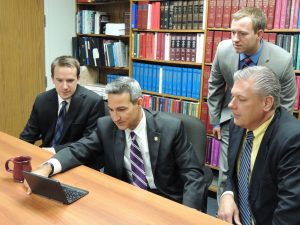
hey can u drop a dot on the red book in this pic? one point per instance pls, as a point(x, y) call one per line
point(226, 35)
point(158, 46)
point(172, 47)
point(251, 3)
point(188, 47)
point(266, 36)
point(296, 14)
point(142, 49)
point(211, 13)
point(217, 40)
point(209, 46)
point(265, 7)
point(271, 14)
point(234, 7)
point(162, 46)
point(288, 14)
point(206, 74)
point(183, 47)
point(144, 12)
point(219, 14)
point(177, 46)
point(242, 4)
point(193, 47)
point(277, 14)
point(226, 14)
point(272, 38)
point(204, 113)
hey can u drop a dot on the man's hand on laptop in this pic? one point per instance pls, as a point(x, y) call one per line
point(43, 170)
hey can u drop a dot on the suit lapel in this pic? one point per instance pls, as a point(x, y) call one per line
point(258, 169)
point(264, 58)
point(119, 150)
point(51, 116)
point(154, 138)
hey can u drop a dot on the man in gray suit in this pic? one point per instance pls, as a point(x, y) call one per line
point(246, 48)
point(166, 161)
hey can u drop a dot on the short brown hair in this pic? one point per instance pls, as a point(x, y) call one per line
point(65, 61)
point(259, 19)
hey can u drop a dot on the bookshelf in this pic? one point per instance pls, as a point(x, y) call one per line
point(103, 54)
point(154, 37)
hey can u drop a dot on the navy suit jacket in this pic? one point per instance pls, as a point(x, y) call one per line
point(81, 119)
point(274, 192)
point(177, 173)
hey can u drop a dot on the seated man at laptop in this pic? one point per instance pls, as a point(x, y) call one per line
point(147, 149)
point(65, 113)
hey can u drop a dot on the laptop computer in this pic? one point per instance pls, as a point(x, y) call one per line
point(53, 189)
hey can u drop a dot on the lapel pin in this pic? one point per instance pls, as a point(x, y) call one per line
point(155, 138)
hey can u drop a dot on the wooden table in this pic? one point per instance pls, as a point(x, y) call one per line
point(110, 201)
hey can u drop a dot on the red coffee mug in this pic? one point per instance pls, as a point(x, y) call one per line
point(21, 163)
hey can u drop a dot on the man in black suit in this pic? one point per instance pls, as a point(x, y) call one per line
point(170, 167)
point(269, 156)
point(83, 108)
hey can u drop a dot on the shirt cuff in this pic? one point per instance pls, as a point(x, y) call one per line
point(227, 193)
point(56, 165)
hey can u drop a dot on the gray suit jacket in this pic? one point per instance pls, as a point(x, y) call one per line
point(177, 173)
point(226, 62)
point(85, 108)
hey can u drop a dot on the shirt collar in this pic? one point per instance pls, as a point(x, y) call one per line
point(255, 57)
point(60, 100)
point(141, 127)
point(262, 128)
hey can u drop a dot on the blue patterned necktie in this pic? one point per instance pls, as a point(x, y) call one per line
point(137, 164)
point(59, 124)
point(243, 180)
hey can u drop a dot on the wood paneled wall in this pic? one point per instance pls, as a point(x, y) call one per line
point(22, 61)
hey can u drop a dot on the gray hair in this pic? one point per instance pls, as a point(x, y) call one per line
point(259, 19)
point(125, 84)
point(65, 61)
point(266, 82)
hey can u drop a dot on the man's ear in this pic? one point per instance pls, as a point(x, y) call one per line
point(268, 104)
point(260, 34)
point(140, 101)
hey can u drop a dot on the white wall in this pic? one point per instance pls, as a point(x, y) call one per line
point(60, 28)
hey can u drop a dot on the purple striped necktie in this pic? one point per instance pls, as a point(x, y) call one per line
point(137, 164)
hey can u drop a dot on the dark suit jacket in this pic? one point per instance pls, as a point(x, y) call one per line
point(177, 173)
point(81, 119)
point(275, 182)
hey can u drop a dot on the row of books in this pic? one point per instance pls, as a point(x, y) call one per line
point(91, 22)
point(169, 46)
point(297, 100)
point(171, 80)
point(288, 41)
point(170, 105)
point(163, 104)
point(281, 14)
point(167, 14)
point(212, 151)
point(95, 51)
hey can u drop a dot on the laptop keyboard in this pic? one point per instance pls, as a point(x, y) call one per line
point(72, 194)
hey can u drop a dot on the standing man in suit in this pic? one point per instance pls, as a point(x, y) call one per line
point(263, 155)
point(147, 149)
point(82, 108)
point(246, 48)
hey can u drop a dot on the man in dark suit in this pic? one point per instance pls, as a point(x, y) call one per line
point(83, 108)
point(264, 169)
point(167, 164)
point(246, 48)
